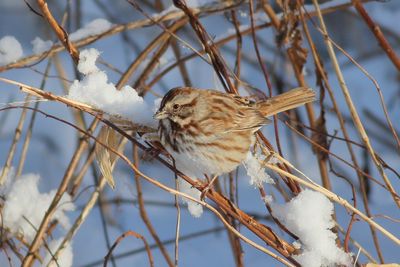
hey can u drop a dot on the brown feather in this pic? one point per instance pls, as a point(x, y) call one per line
point(288, 100)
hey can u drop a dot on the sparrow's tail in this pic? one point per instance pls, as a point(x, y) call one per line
point(292, 99)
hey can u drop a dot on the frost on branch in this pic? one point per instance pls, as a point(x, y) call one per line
point(10, 50)
point(257, 173)
point(309, 216)
point(24, 206)
point(95, 90)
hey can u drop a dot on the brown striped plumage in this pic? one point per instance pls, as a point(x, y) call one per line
point(210, 132)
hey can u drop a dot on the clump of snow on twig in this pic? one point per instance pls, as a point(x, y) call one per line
point(94, 27)
point(40, 46)
point(309, 216)
point(87, 61)
point(95, 90)
point(65, 257)
point(24, 206)
point(195, 209)
point(10, 50)
point(257, 173)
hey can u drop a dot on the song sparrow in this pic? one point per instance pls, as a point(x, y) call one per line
point(210, 132)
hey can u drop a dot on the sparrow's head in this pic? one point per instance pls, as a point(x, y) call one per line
point(178, 104)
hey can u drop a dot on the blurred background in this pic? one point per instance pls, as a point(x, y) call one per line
point(204, 240)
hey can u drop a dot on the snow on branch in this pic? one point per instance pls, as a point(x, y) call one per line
point(10, 50)
point(24, 206)
point(195, 209)
point(39, 46)
point(95, 90)
point(309, 216)
point(94, 27)
point(257, 173)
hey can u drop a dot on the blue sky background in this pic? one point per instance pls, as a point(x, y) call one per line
point(54, 143)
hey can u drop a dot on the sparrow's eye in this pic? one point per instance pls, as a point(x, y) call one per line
point(175, 106)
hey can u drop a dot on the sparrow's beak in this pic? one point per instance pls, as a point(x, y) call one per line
point(161, 114)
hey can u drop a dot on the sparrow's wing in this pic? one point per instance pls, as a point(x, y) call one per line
point(233, 114)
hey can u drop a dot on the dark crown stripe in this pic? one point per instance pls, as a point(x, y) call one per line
point(168, 96)
point(172, 93)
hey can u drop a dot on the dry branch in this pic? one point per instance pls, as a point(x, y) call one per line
point(60, 32)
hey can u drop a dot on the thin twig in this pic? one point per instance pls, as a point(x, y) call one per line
point(121, 237)
point(143, 213)
point(376, 30)
point(360, 176)
point(178, 218)
point(353, 111)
